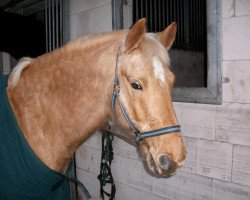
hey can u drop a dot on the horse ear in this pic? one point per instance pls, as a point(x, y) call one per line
point(167, 36)
point(136, 35)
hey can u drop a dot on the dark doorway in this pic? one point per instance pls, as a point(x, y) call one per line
point(22, 35)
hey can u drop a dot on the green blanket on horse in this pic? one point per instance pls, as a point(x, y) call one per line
point(23, 176)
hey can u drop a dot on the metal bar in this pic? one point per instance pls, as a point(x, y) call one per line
point(204, 33)
point(53, 23)
point(167, 12)
point(196, 8)
point(200, 18)
point(200, 35)
point(151, 15)
point(147, 13)
point(171, 12)
point(46, 23)
point(163, 15)
point(137, 9)
point(200, 25)
point(49, 27)
point(57, 23)
point(177, 12)
point(117, 14)
point(186, 22)
point(192, 22)
point(203, 22)
point(154, 11)
point(195, 24)
point(180, 27)
point(155, 15)
point(61, 21)
point(65, 19)
point(142, 14)
point(159, 15)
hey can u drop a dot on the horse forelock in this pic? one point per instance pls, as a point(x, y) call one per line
point(16, 72)
point(152, 48)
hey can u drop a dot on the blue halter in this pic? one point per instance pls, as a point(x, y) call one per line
point(139, 136)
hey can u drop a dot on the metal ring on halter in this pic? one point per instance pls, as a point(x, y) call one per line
point(139, 135)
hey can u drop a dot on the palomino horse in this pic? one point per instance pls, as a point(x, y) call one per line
point(58, 100)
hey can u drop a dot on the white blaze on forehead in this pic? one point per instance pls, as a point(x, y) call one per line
point(158, 69)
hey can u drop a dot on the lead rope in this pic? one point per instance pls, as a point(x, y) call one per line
point(105, 177)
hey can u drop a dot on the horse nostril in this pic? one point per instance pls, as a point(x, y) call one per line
point(163, 161)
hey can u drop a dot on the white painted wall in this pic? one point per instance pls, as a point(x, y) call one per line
point(217, 137)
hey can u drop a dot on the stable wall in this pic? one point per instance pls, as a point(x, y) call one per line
point(217, 136)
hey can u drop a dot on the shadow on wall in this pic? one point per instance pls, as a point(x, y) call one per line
point(188, 67)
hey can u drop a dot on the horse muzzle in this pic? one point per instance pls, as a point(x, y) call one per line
point(159, 163)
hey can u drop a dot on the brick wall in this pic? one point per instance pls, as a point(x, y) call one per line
point(217, 137)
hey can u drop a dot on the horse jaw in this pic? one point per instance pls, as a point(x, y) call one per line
point(121, 132)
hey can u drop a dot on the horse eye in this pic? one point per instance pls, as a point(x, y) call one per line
point(136, 86)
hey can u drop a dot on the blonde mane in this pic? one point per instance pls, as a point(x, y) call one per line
point(150, 47)
point(79, 43)
point(16, 73)
point(94, 39)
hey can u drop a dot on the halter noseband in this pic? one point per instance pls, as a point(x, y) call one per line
point(139, 136)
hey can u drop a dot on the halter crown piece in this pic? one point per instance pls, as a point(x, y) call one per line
point(139, 136)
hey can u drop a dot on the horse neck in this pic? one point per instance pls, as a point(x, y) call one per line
point(63, 97)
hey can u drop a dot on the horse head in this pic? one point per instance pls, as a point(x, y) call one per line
point(145, 81)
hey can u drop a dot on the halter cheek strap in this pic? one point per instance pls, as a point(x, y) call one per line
point(124, 113)
point(139, 136)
